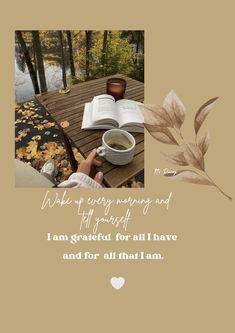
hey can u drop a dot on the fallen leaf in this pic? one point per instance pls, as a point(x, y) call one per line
point(161, 134)
point(17, 107)
point(193, 155)
point(66, 173)
point(64, 91)
point(32, 148)
point(50, 149)
point(203, 143)
point(28, 113)
point(189, 176)
point(175, 109)
point(77, 155)
point(21, 152)
point(203, 112)
point(60, 150)
point(64, 124)
point(22, 134)
point(49, 125)
point(37, 137)
point(39, 127)
point(155, 115)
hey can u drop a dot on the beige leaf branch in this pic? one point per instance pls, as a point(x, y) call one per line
point(171, 115)
point(175, 108)
point(203, 112)
point(175, 158)
point(193, 156)
point(203, 143)
point(189, 176)
point(161, 134)
point(155, 115)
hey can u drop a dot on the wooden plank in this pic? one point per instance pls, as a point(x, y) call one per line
point(54, 95)
point(86, 147)
point(118, 176)
point(70, 107)
point(80, 100)
point(53, 101)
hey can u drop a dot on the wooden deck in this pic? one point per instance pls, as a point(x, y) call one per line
point(70, 107)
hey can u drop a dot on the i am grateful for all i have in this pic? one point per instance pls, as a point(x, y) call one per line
point(75, 238)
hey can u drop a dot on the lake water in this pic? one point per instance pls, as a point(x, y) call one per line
point(23, 85)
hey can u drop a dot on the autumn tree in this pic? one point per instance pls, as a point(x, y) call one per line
point(88, 47)
point(60, 34)
point(104, 52)
point(135, 37)
point(71, 61)
point(28, 61)
point(39, 60)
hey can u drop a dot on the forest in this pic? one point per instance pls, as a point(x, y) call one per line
point(58, 59)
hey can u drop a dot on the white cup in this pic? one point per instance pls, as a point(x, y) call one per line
point(117, 147)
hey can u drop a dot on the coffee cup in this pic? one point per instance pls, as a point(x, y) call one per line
point(117, 147)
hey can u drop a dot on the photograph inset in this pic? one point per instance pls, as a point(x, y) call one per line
point(77, 117)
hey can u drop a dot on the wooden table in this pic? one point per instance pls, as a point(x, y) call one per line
point(70, 107)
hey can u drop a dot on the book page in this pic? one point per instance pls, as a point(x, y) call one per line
point(103, 107)
point(129, 112)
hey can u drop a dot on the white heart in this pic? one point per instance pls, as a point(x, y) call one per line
point(117, 282)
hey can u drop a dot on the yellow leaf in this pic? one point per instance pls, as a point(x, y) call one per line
point(64, 124)
point(77, 155)
point(39, 127)
point(64, 91)
point(21, 152)
point(49, 125)
point(17, 107)
point(28, 113)
point(32, 148)
point(60, 150)
point(36, 137)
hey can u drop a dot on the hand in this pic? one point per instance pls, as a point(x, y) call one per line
point(85, 166)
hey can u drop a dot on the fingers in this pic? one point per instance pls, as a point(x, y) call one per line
point(90, 158)
point(99, 177)
point(85, 165)
point(97, 163)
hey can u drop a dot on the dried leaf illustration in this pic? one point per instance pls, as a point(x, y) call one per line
point(202, 113)
point(161, 134)
point(175, 109)
point(155, 115)
point(193, 156)
point(176, 158)
point(203, 143)
point(158, 120)
point(190, 176)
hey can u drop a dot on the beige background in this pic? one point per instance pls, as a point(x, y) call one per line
point(190, 48)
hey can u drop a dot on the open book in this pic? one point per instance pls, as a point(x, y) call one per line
point(104, 113)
